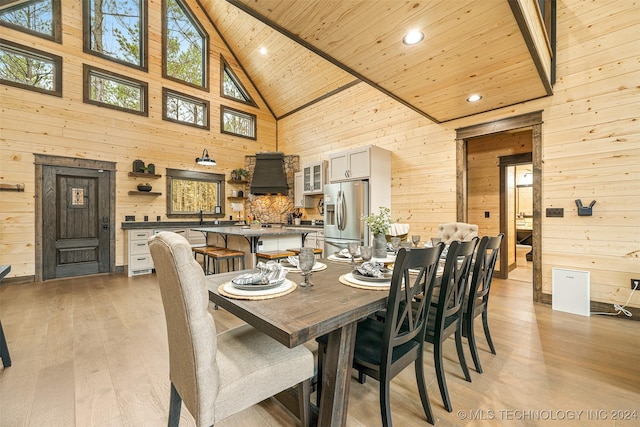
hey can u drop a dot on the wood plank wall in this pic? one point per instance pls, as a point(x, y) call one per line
point(36, 123)
point(591, 148)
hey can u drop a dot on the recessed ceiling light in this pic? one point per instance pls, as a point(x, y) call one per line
point(263, 50)
point(413, 37)
point(474, 98)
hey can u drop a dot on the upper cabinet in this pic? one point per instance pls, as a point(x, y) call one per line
point(299, 199)
point(358, 163)
point(314, 176)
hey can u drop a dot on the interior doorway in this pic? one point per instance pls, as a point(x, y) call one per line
point(531, 125)
point(74, 217)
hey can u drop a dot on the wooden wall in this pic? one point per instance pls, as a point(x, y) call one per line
point(31, 123)
point(591, 148)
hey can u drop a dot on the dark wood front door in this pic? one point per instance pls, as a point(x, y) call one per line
point(75, 221)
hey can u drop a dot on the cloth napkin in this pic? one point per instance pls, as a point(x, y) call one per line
point(249, 278)
point(397, 229)
point(344, 253)
point(293, 260)
point(371, 269)
point(272, 270)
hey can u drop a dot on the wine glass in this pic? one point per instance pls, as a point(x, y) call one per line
point(366, 252)
point(395, 244)
point(306, 262)
point(415, 239)
point(353, 251)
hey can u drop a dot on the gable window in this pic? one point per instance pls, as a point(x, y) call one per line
point(29, 68)
point(111, 90)
point(185, 109)
point(185, 45)
point(39, 17)
point(116, 30)
point(230, 86)
point(236, 122)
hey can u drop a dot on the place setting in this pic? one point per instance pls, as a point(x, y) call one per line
point(292, 265)
point(269, 281)
point(350, 254)
point(369, 274)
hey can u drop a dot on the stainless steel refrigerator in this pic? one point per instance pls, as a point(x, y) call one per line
point(344, 205)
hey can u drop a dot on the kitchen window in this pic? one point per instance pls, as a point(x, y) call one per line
point(189, 192)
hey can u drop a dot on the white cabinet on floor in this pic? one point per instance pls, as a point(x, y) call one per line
point(359, 163)
point(140, 261)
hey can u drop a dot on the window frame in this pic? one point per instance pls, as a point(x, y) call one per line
point(86, 90)
point(224, 108)
point(206, 104)
point(36, 54)
point(224, 66)
point(144, 36)
point(205, 50)
point(172, 174)
point(56, 22)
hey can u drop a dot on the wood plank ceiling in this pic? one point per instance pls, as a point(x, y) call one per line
point(315, 47)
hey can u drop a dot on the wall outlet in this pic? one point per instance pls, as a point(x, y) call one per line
point(555, 212)
point(635, 284)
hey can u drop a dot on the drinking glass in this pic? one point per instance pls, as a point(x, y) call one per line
point(353, 251)
point(366, 252)
point(415, 239)
point(306, 262)
point(395, 244)
point(435, 241)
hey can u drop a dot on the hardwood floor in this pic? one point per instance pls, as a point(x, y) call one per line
point(92, 352)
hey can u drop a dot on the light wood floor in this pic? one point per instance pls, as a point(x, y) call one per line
point(92, 352)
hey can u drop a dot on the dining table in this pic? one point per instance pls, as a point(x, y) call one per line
point(252, 234)
point(328, 307)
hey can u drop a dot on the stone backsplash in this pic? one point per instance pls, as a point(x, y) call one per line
point(272, 208)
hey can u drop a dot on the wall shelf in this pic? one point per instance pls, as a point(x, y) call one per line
point(237, 181)
point(144, 193)
point(144, 175)
point(236, 198)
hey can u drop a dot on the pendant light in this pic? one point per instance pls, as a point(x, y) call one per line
point(205, 160)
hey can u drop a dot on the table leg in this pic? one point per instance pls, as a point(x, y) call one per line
point(336, 376)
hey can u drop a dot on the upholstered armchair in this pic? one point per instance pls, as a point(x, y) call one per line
point(457, 231)
point(218, 375)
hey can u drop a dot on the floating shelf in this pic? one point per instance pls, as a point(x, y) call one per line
point(144, 193)
point(237, 181)
point(236, 198)
point(144, 175)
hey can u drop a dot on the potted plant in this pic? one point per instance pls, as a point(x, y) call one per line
point(379, 226)
point(242, 174)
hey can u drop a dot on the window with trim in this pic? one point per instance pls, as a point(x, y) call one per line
point(230, 86)
point(185, 45)
point(236, 122)
point(39, 17)
point(115, 91)
point(29, 68)
point(180, 108)
point(189, 192)
point(116, 30)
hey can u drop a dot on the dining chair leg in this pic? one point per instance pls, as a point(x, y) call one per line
point(487, 334)
point(175, 405)
point(442, 382)
point(422, 388)
point(304, 398)
point(460, 350)
point(471, 338)
point(385, 406)
point(321, 351)
point(4, 349)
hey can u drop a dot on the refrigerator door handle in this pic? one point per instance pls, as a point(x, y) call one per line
point(340, 211)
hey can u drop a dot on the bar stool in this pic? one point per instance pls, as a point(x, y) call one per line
point(203, 250)
point(274, 255)
point(316, 251)
point(222, 254)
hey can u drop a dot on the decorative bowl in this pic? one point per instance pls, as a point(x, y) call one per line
point(144, 187)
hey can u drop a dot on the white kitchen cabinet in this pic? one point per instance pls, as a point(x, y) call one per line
point(140, 261)
point(359, 163)
point(314, 175)
point(300, 199)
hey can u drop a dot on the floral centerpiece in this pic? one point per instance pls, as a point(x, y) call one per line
point(379, 226)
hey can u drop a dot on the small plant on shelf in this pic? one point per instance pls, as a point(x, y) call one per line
point(240, 174)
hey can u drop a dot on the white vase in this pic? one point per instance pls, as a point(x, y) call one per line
point(379, 246)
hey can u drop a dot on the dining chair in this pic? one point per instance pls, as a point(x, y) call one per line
point(446, 319)
point(478, 295)
point(461, 231)
point(384, 349)
point(218, 375)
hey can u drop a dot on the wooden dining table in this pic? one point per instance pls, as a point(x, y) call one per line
point(327, 307)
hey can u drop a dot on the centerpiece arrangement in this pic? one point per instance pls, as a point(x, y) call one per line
point(379, 226)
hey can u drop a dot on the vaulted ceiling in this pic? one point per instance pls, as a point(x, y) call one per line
point(316, 47)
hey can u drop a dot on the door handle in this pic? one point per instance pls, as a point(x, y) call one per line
point(105, 222)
